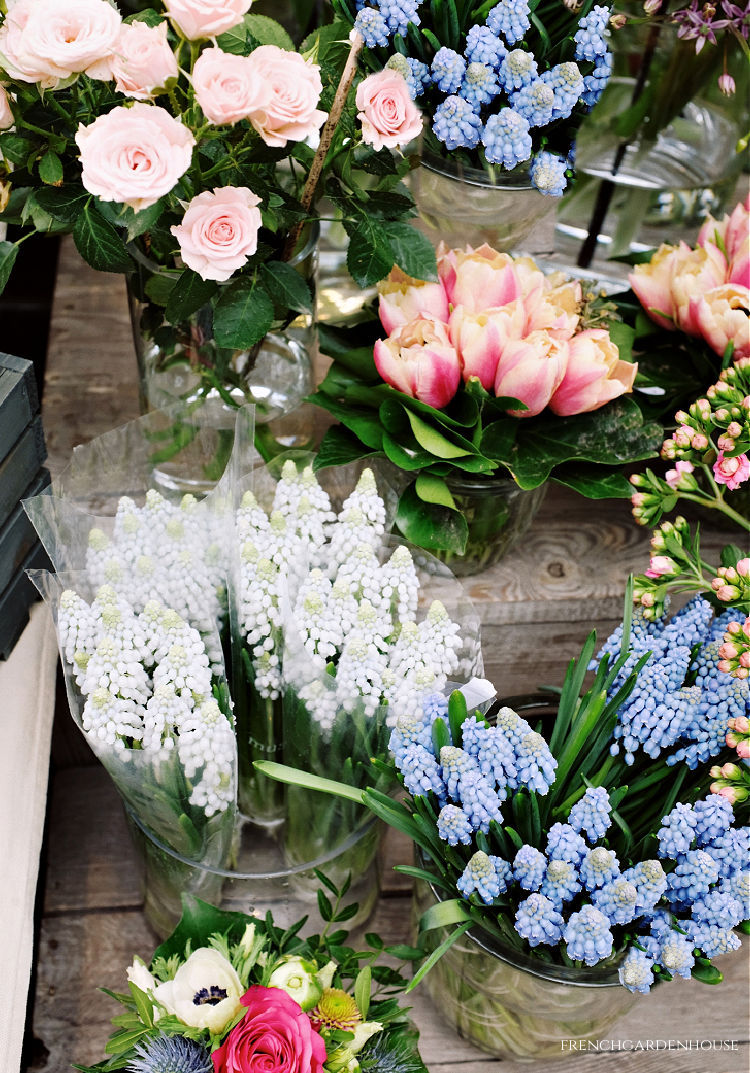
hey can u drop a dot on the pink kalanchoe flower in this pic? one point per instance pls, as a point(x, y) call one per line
point(594, 374)
point(675, 478)
point(531, 370)
point(742, 566)
point(420, 360)
point(403, 298)
point(731, 471)
point(661, 566)
point(727, 85)
point(480, 339)
point(478, 279)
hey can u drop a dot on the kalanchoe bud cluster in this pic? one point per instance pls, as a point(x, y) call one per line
point(147, 690)
point(735, 652)
point(732, 583)
point(731, 781)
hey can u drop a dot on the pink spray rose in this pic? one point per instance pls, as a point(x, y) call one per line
point(420, 360)
point(197, 19)
point(294, 84)
point(6, 115)
point(142, 61)
point(219, 231)
point(403, 298)
point(594, 374)
point(531, 370)
point(134, 155)
point(274, 1036)
point(48, 40)
point(478, 279)
point(228, 88)
point(722, 314)
point(731, 471)
point(386, 111)
point(480, 338)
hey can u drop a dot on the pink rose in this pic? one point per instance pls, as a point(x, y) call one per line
point(403, 298)
point(480, 339)
point(219, 231)
point(721, 315)
point(134, 154)
point(228, 88)
point(6, 114)
point(731, 471)
point(294, 85)
point(48, 40)
point(142, 61)
point(594, 374)
point(420, 360)
point(531, 370)
point(388, 115)
point(274, 1036)
point(197, 19)
point(478, 279)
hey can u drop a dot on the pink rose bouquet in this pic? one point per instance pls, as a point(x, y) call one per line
point(228, 993)
point(493, 368)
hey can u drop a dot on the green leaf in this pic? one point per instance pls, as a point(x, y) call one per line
point(370, 257)
point(287, 288)
point(412, 251)
point(143, 1005)
point(268, 32)
point(234, 41)
point(429, 525)
point(499, 437)
point(434, 490)
point(99, 243)
point(243, 315)
point(295, 777)
point(51, 169)
point(437, 954)
point(443, 914)
point(160, 286)
point(593, 482)
point(63, 203)
point(16, 148)
point(457, 713)
point(432, 440)
point(707, 974)
point(362, 989)
point(339, 447)
point(8, 254)
point(189, 293)
point(363, 423)
point(405, 457)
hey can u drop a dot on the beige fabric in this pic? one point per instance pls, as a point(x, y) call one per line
point(27, 703)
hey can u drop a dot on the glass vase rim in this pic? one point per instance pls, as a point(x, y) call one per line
point(360, 832)
point(517, 180)
point(311, 229)
point(487, 482)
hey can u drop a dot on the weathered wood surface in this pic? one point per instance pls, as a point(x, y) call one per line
point(93, 925)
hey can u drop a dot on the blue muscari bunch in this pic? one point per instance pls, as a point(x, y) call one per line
point(506, 138)
point(719, 698)
point(399, 13)
point(454, 826)
point(415, 73)
point(591, 814)
point(170, 1054)
point(548, 174)
point(486, 876)
point(448, 70)
point(618, 900)
point(372, 26)
point(565, 844)
point(650, 882)
point(598, 867)
point(480, 85)
point(534, 102)
point(510, 18)
point(421, 771)
point(595, 83)
point(456, 124)
point(566, 82)
point(518, 69)
point(529, 867)
point(590, 38)
point(561, 882)
point(385, 19)
point(482, 46)
point(537, 921)
point(587, 935)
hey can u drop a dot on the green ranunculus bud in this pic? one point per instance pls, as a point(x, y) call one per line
point(298, 978)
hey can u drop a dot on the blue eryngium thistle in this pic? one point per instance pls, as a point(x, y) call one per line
point(170, 1054)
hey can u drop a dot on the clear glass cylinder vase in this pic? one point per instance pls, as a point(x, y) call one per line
point(512, 1005)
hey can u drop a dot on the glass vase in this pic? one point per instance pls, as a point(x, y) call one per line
point(459, 205)
point(181, 368)
point(497, 513)
point(512, 1005)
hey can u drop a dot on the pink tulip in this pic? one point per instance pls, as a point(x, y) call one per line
point(721, 315)
point(731, 471)
point(730, 232)
point(699, 271)
point(652, 283)
point(531, 370)
point(478, 279)
point(480, 339)
point(403, 298)
point(594, 374)
point(555, 311)
point(419, 359)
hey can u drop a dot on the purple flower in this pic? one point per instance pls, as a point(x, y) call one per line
point(698, 24)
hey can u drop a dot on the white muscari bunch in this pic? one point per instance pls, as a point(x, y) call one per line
point(167, 552)
point(147, 689)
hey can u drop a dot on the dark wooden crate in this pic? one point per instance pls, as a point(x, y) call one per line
point(19, 399)
point(18, 536)
point(20, 466)
point(17, 598)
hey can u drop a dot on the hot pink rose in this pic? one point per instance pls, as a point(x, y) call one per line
point(403, 298)
point(134, 155)
point(228, 88)
point(594, 374)
point(420, 360)
point(48, 40)
point(291, 113)
point(142, 61)
point(388, 115)
point(197, 19)
point(219, 231)
point(480, 338)
point(274, 1036)
point(531, 370)
point(6, 115)
point(721, 315)
point(731, 471)
point(478, 279)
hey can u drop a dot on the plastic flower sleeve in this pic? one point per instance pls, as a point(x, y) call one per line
point(142, 691)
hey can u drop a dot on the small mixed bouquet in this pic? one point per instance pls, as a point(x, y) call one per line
point(228, 993)
point(496, 368)
point(503, 86)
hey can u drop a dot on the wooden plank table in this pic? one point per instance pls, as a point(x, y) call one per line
point(536, 607)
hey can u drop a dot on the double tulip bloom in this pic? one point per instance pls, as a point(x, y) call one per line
point(705, 291)
point(500, 320)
